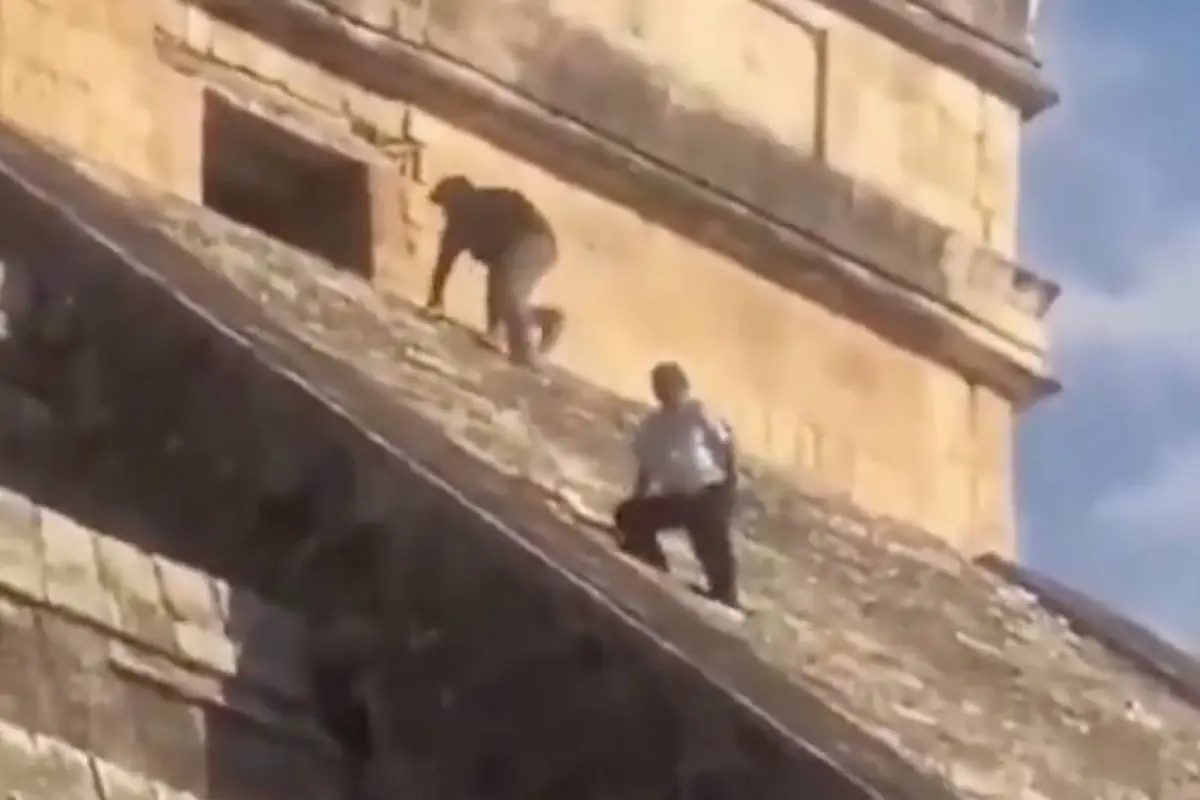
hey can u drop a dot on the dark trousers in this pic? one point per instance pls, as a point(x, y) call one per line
point(706, 516)
point(510, 286)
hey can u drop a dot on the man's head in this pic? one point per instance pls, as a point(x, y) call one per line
point(670, 384)
point(449, 191)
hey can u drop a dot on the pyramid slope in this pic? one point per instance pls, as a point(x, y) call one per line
point(927, 659)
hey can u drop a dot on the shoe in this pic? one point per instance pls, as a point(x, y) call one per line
point(551, 322)
point(729, 607)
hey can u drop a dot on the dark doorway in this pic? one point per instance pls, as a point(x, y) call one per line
point(265, 176)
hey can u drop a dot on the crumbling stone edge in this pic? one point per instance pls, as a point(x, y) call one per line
point(166, 623)
point(36, 766)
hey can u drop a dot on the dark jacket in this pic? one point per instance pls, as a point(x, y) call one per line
point(488, 223)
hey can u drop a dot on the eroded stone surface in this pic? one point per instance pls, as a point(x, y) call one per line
point(871, 159)
point(969, 679)
point(968, 675)
point(504, 673)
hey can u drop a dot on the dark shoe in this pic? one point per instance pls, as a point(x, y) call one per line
point(551, 323)
point(526, 363)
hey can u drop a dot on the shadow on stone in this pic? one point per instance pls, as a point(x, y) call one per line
point(502, 674)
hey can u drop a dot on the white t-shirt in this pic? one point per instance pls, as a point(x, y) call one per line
point(682, 450)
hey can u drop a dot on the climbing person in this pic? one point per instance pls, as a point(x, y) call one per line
point(506, 233)
point(686, 478)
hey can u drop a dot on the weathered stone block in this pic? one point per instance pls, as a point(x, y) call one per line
point(171, 734)
point(198, 30)
point(115, 783)
point(379, 14)
point(58, 770)
point(21, 548)
point(86, 705)
point(72, 573)
point(131, 577)
point(209, 648)
point(23, 698)
point(18, 756)
point(189, 594)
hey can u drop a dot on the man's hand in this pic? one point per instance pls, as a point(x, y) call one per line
point(434, 309)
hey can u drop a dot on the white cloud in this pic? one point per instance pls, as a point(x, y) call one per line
point(1126, 331)
point(1161, 506)
point(1150, 324)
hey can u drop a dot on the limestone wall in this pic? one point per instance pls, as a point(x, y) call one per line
point(86, 74)
point(810, 389)
point(807, 76)
point(128, 676)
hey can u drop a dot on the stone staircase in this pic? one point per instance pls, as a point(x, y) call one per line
point(505, 674)
point(526, 659)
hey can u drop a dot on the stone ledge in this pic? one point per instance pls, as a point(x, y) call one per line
point(1003, 22)
point(988, 43)
point(839, 243)
point(35, 766)
point(39, 767)
point(164, 611)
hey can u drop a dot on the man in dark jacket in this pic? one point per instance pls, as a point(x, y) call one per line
point(506, 233)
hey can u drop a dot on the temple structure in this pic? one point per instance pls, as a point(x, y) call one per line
point(215, 224)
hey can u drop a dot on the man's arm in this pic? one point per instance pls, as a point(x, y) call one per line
point(449, 249)
point(721, 440)
point(641, 483)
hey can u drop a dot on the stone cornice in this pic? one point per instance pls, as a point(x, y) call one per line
point(731, 188)
point(1003, 22)
point(989, 47)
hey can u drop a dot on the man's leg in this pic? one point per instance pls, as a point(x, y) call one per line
point(529, 262)
point(551, 322)
point(710, 530)
point(639, 521)
point(494, 307)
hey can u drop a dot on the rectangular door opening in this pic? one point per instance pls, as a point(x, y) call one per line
point(262, 175)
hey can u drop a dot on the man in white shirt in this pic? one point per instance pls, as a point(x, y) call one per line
point(686, 478)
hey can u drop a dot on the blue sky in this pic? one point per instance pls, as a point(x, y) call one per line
point(1110, 470)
